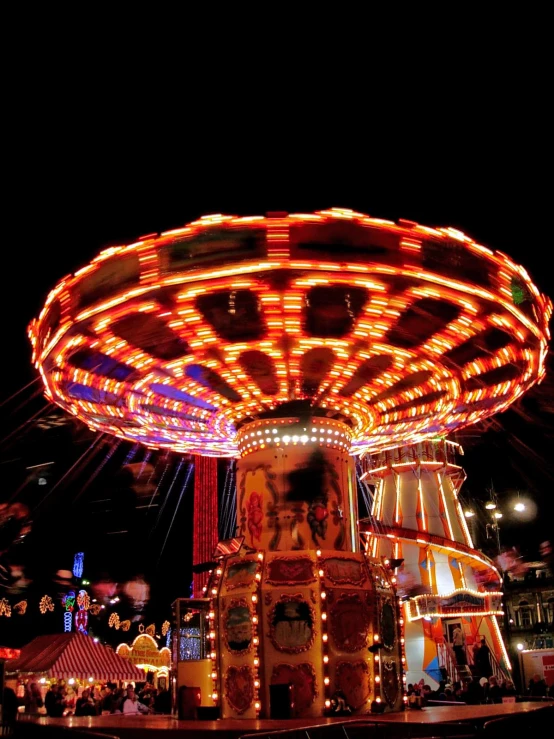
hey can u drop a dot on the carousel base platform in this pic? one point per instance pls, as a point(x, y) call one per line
point(462, 721)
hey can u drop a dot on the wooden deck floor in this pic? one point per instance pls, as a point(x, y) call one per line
point(410, 723)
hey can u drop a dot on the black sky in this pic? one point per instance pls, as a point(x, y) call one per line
point(95, 156)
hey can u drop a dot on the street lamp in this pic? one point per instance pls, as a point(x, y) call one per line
point(490, 513)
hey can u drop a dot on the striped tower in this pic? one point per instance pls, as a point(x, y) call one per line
point(205, 521)
point(443, 581)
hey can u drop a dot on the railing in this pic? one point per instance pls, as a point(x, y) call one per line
point(497, 670)
point(447, 659)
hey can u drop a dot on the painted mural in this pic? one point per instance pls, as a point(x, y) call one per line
point(238, 627)
point(297, 511)
point(255, 516)
point(303, 680)
point(389, 681)
point(388, 625)
point(352, 678)
point(292, 624)
point(343, 571)
point(350, 618)
point(289, 571)
point(241, 573)
point(239, 688)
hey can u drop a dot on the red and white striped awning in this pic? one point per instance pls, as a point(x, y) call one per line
point(64, 656)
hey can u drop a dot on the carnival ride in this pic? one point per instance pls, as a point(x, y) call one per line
point(296, 343)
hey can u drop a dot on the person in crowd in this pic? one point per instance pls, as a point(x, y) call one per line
point(493, 692)
point(53, 702)
point(508, 689)
point(146, 696)
point(537, 686)
point(70, 700)
point(32, 699)
point(132, 705)
point(85, 705)
point(472, 692)
point(339, 705)
point(162, 702)
point(96, 696)
point(106, 698)
point(484, 660)
point(459, 646)
point(458, 692)
point(438, 694)
point(426, 694)
point(9, 706)
point(117, 698)
point(449, 694)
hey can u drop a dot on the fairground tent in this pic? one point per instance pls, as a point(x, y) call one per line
point(63, 656)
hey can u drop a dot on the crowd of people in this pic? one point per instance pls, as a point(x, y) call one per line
point(62, 700)
point(474, 691)
point(468, 690)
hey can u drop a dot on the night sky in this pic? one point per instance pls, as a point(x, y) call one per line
point(95, 170)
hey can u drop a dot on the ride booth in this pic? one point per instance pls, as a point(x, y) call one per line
point(191, 660)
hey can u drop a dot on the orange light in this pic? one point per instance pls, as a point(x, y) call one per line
point(200, 418)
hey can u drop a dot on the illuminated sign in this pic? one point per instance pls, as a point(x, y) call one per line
point(144, 652)
point(458, 603)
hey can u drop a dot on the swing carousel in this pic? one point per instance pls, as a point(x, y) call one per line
point(300, 344)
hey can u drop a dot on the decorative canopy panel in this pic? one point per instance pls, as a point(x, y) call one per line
point(401, 331)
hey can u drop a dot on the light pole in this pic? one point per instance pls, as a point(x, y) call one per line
point(489, 514)
point(492, 527)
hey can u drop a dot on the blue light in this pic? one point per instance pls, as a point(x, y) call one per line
point(78, 564)
point(67, 621)
point(190, 644)
point(166, 391)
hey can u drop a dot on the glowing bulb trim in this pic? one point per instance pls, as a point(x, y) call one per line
point(141, 271)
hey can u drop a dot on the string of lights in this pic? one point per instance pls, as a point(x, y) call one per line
point(177, 403)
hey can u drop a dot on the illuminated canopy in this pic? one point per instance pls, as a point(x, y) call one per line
point(402, 331)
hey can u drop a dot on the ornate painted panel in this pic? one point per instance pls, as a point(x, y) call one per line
point(302, 677)
point(292, 624)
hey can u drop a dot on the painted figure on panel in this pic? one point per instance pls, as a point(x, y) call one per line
point(240, 574)
point(292, 626)
point(238, 628)
point(255, 516)
point(350, 620)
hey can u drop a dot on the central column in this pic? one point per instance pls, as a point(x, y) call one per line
point(295, 611)
point(296, 485)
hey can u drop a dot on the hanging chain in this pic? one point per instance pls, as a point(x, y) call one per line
point(232, 298)
point(348, 305)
